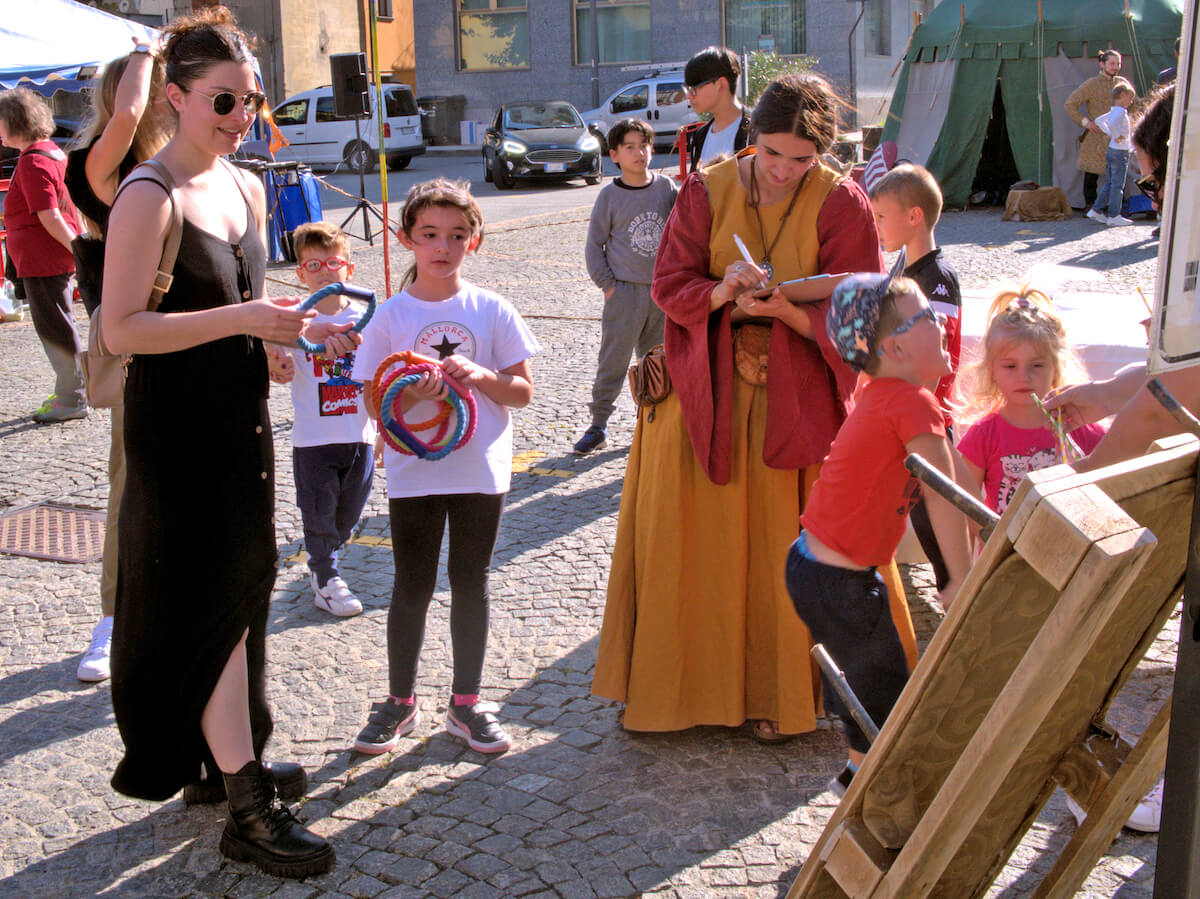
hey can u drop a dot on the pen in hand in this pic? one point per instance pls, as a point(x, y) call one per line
point(746, 255)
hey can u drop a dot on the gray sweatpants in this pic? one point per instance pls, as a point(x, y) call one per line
point(49, 301)
point(631, 322)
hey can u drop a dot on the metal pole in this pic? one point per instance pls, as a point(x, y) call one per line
point(842, 686)
point(383, 172)
point(953, 494)
point(1177, 866)
point(595, 55)
point(362, 189)
point(862, 11)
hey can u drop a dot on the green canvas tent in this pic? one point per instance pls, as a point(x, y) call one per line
point(1012, 65)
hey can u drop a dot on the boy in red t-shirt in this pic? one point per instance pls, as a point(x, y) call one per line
point(855, 516)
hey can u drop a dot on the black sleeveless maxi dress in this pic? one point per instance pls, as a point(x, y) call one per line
point(196, 530)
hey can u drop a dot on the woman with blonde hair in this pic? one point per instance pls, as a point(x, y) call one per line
point(123, 130)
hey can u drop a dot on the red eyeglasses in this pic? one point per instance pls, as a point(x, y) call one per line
point(333, 263)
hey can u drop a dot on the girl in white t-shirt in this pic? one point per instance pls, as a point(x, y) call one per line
point(483, 344)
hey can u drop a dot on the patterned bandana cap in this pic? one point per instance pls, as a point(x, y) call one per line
point(854, 316)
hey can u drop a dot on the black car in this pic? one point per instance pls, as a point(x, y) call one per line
point(539, 142)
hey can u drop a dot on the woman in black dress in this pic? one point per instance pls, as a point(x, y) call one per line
point(197, 542)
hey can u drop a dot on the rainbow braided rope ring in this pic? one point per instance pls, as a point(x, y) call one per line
point(397, 372)
point(346, 290)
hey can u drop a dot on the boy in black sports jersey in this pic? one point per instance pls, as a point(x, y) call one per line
point(907, 203)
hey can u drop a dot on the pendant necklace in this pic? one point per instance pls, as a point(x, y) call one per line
point(765, 265)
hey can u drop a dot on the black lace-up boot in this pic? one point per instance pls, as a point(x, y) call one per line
point(262, 830)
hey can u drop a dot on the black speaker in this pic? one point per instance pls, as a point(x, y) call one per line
point(349, 74)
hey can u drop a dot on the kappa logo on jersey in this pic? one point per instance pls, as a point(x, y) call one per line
point(941, 291)
point(441, 340)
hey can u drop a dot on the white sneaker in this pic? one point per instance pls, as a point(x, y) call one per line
point(335, 598)
point(1148, 814)
point(1097, 216)
point(94, 666)
point(1118, 220)
point(1076, 809)
point(1145, 818)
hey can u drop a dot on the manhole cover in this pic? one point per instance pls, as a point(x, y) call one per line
point(54, 532)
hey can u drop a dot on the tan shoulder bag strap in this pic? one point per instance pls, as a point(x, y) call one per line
point(153, 170)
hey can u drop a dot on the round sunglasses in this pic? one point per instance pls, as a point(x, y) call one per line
point(223, 102)
point(333, 263)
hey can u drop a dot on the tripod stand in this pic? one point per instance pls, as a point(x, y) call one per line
point(362, 203)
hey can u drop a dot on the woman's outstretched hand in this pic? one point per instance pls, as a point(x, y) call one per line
point(275, 320)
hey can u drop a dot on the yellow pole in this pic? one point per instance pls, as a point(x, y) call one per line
point(383, 181)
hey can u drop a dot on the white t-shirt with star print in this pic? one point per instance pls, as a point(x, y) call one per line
point(474, 323)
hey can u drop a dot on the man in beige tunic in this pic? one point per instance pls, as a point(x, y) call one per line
point(1093, 98)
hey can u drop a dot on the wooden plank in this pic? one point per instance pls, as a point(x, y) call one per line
point(1062, 529)
point(1110, 810)
point(855, 860)
point(1100, 583)
point(1176, 461)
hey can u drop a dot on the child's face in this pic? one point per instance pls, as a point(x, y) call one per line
point(1020, 370)
point(1123, 100)
point(895, 223)
point(440, 239)
point(922, 336)
point(633, 154)
point(330, 267)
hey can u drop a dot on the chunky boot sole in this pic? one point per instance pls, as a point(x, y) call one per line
point(210, 790)
point(240, 851)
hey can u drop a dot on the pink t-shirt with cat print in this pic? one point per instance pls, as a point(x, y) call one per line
point(1007, 453)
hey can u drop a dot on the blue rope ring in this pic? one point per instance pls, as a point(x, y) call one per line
point(346, 290)
point(416, 446)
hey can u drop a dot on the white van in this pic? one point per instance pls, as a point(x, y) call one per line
point(318, 137)
point(658, 97)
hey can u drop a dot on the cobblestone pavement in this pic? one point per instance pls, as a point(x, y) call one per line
point(578, 808)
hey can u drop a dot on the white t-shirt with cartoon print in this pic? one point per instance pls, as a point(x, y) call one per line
point(326, 399)
point(477, 324)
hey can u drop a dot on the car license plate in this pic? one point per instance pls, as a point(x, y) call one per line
point(556, 166)
point(408, 129)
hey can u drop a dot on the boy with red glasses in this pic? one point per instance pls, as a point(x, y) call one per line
point(332, 435)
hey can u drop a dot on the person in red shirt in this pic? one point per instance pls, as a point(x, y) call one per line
point(41, 224)
point(856, 514)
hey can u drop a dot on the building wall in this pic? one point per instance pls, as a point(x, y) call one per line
point(678, 29)
point(396, 45)
point(875, 77)
point(296, 39)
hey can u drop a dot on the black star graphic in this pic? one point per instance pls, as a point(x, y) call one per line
point(445, 348)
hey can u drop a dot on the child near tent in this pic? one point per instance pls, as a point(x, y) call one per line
point(855, 517)
point(483, 344)
point(1115, 123)
point(1025, 354)
point(332, 435)
point(908, 203)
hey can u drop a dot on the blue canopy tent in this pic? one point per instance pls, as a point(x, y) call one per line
point(59, 45)
point(45, 44)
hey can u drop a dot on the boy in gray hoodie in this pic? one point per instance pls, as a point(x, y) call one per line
point(626, 225)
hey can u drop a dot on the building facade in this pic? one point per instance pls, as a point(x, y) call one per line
point(491, 51)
